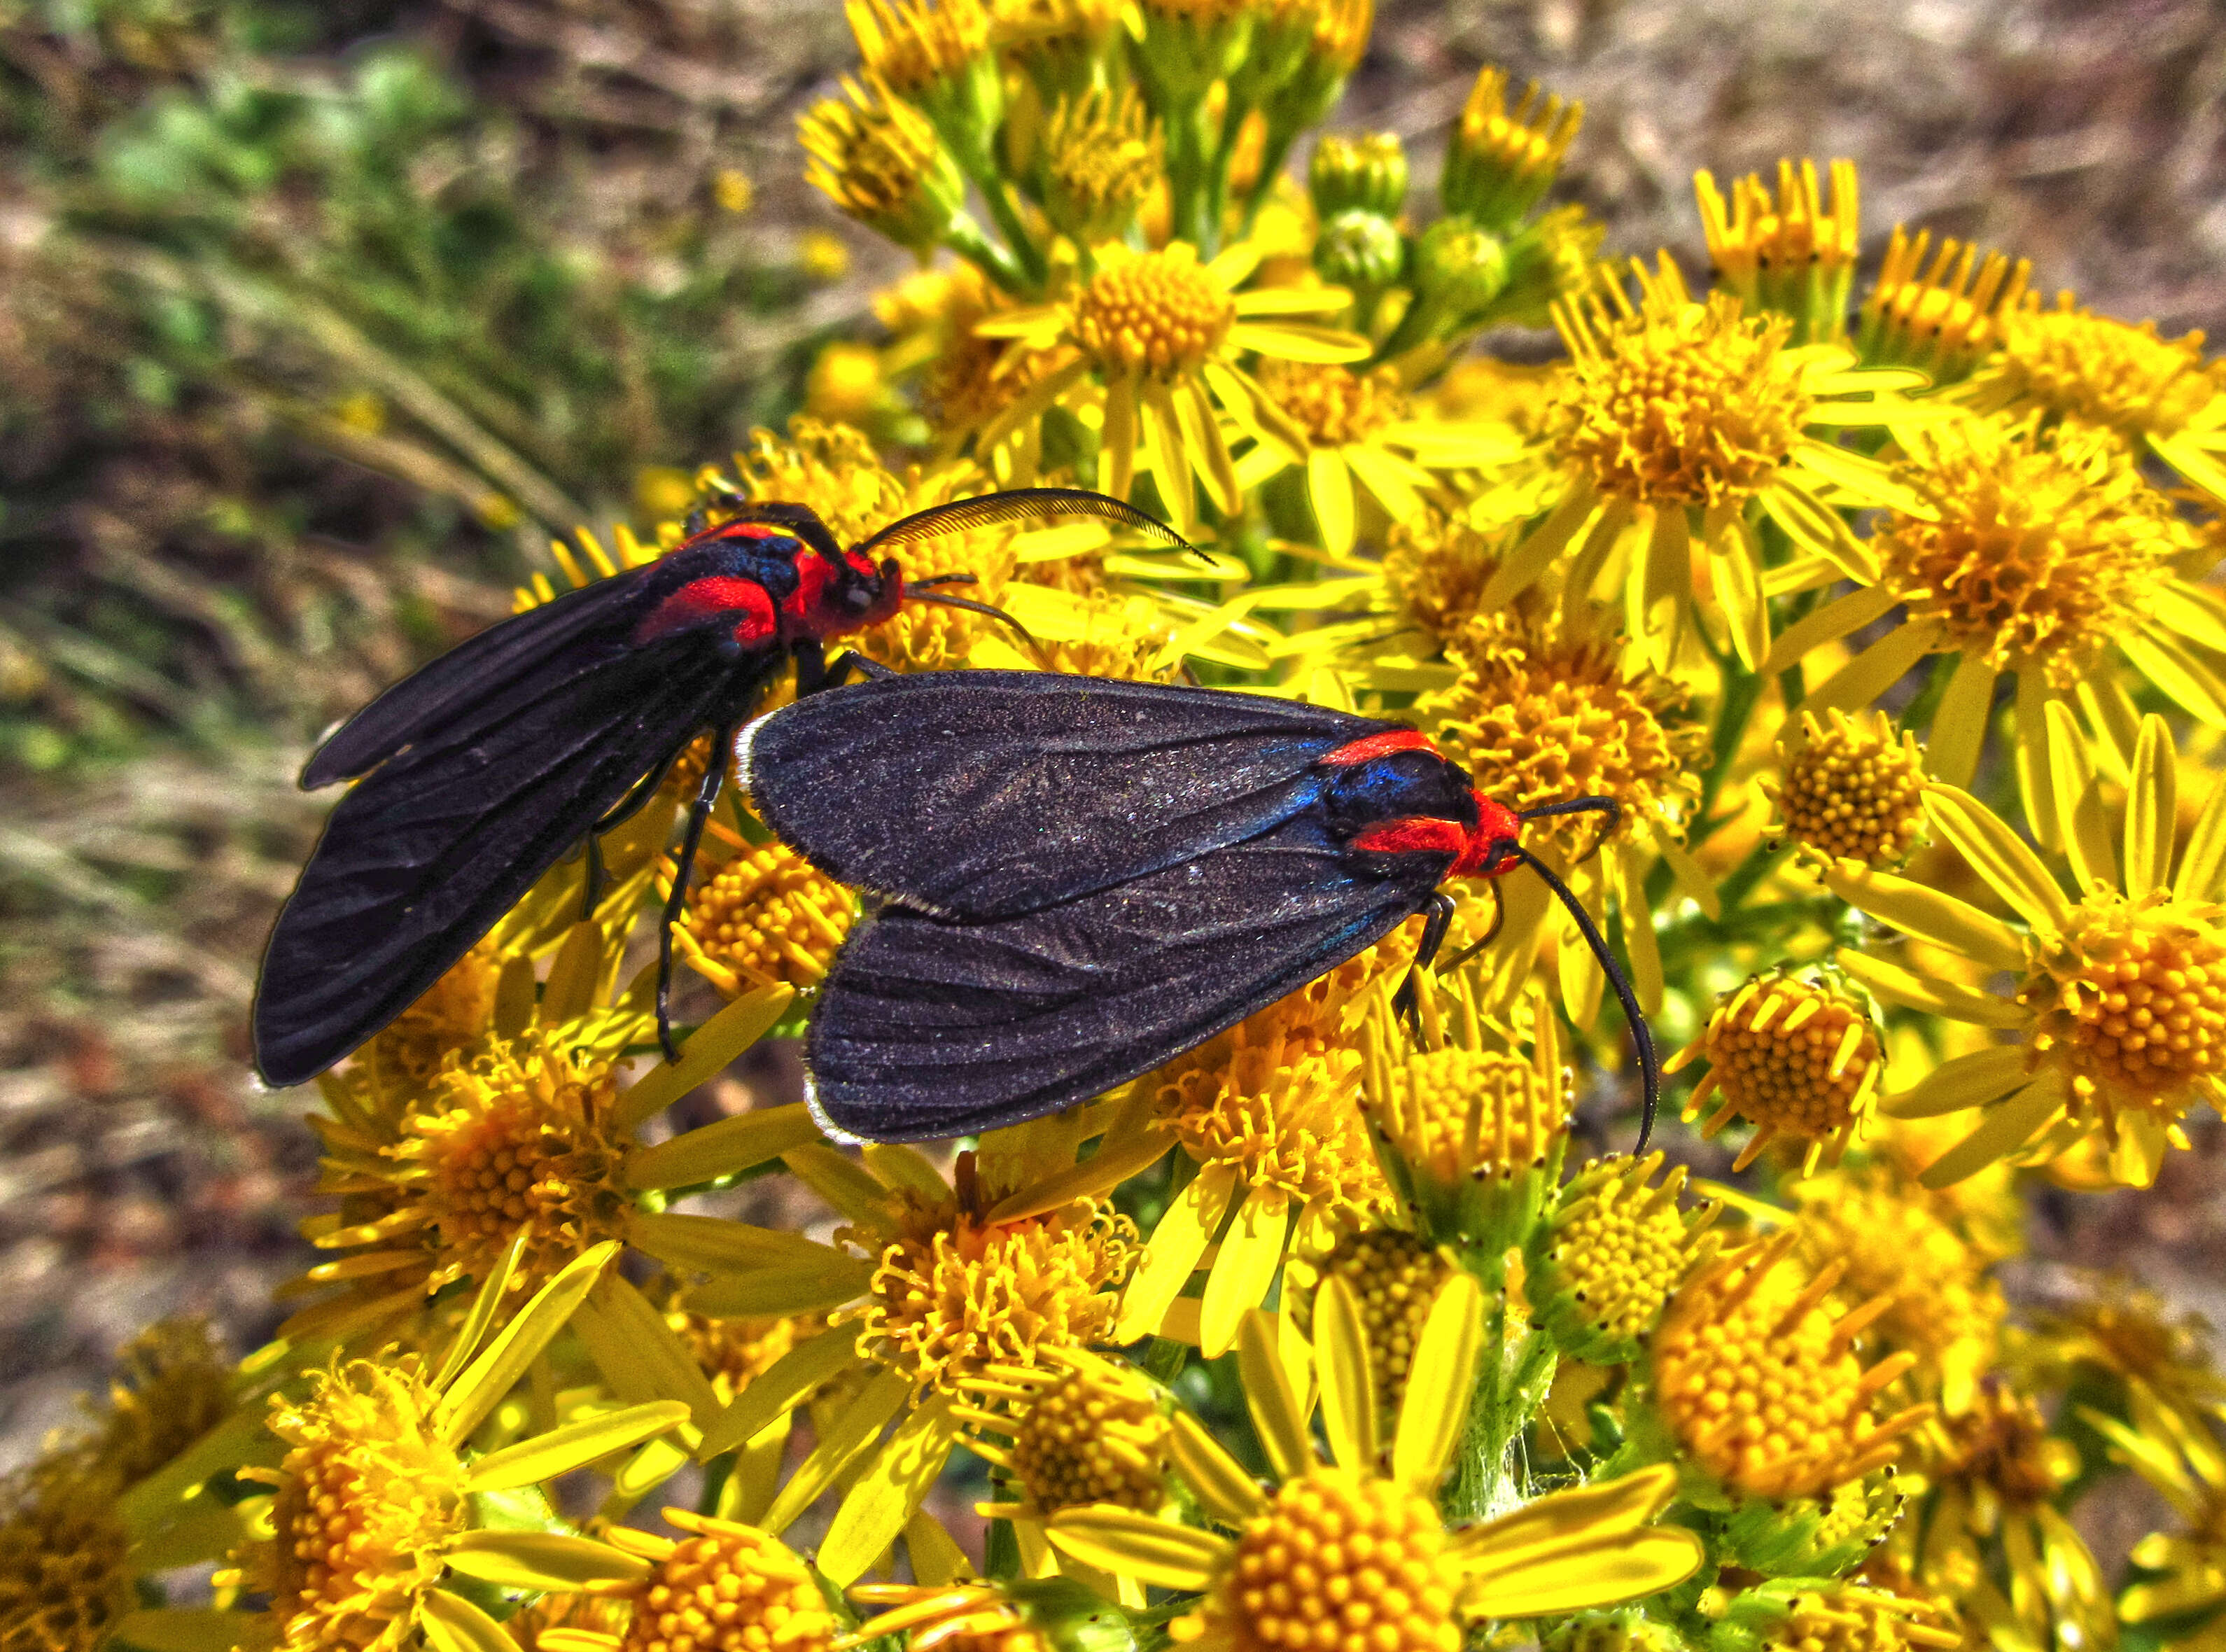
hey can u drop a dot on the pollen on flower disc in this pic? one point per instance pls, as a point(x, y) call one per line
point(1159, 313)
point(1094, 1436)
point(1395, 1276)
point(2131, 1002)
point(730, 1589)
point(65, 1578)
point(1854, 790)
point(1332, 404)
point(1339, 1563)
point(1759, 1385)
point(1794, 1058)
point(768, 916)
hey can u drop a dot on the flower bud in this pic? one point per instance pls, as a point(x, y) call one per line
point(1460, 267)
point(1360, 249)
point(1368, 172)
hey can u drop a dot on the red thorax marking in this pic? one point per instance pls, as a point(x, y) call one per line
point(1479, 851)
point(1496, 825)
point(711, 597)
point(1417, 834)
point(1371, 746)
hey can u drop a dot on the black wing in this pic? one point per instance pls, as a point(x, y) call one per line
point(931, 1028)
point(515, 657)
point(985, 794)
point(423, 857)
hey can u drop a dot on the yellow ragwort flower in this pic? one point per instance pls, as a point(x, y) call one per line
point(172, 1385)
point(879, 159)
point(2183, 1571)
point(1897, 1241)
point(956, 1615)
point(1847, 789)
point(1604, 1264)
point(65, 1581)
point(1943, 318)
point(454, 1016)
point(2129, 1335)
point(2071, 362)
point(1760, 1384)
point(1152, 343)
point(724, 1587)
point(2121, 995)
point(1672, 416)
point(1081, 1429)
point(1797, 1059)
point(1344, 1557)
point(1790, 253)
point(1394, 1276)
point(1436, 567)
point(1855, 1617)
point(762, 915)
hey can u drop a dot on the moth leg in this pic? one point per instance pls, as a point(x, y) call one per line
point(814, 672)
point(700, 517)
point(706, 795)
point(1407, 1003)
point(592, 879)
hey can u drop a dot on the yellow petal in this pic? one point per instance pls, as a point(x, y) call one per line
point(1208, 447)
point(2150, 805)
point(2169, 665)
point(1934, 996)
point(2029, 753)
point(1348, 1386)
point(486, 1303)
point(936, 1560)
point(1329, 490)
point(2079, 800)
point(1277, 1417)
point(2202, 868)
point(640, 1355)
point(789, 1381)
point(1126, 1152)
point(1292, 301)
point(873, 1511)
point(848, 1438)
point(497, 1370)
point(898, 1166)
point(1116, 451)
point(1223, 1488)
point(1827, 624)
point(1638, 936)
point(844, 1183)
point(1998, 855)
point(452, 1623)
point(1440, 1378)
point(1127, 1544)
point(1965, 1081)
point(1959, 727)
point(573, 1445)
point(711, 1243)
point(1664, 591)
point(541, 1560)
point(1737, 572)
point(1390, 478)
point(1520, 567)
point(708, 1050)
point(1815, 526)
point(1291, 341)
point(1191, 1219)
point(1630, 1568)
point(2008, 1126)
point(1928, 914)
point(1170, 459)
point(726, 1148)
point(1251, 1253)
point(1877, 669)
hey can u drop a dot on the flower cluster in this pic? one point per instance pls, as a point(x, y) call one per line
point(1880, 600)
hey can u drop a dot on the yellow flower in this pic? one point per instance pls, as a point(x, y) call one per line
point(760, 916)
point(375, 1518)
point(1547, 710)
point(1151, 345)
point(2120, 994)
point(951, 1287)
point(879, 159)
point(1944, 318)
point(1606, 1262)
point(529, 1145)
point(1499, 165)
point(1852, 1617)
point(1797, 1059)
point(1672, 417)
point(1344, 1557)
point(172, 1386)
point(2151, 391)
point(454, 1017)
point(1471, 1133)
point(65, 1581)
point(2182, 1572)
point(1789, 254)
point(1437, 569)
point(1265, 1113)
point(724, 1587)
point(2033, 553)
point(1760, 1384)
point(1992, 1478)
point(1394, 1277)
point(1077, 1430)
point(2127, 1335)
point(845, 384)
point(962, 1615)
point(1900, 1243)
point(1343, 427)
point(1102, 153)
point(1847, 789)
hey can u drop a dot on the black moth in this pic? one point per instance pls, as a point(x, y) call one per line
point(480, 771)
point(1080, 879)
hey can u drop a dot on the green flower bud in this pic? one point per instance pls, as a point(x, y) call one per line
point(1458, 268)
point(1600, 1268)
point(1360, 249)
point(1368, 172)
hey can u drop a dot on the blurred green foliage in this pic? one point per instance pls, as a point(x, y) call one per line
point(316, 319)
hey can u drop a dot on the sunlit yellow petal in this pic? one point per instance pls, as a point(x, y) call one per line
point(2151, 806)
point(1126, 1543)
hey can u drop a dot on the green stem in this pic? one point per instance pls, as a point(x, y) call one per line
point(1742, 691)
point(964, 236)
